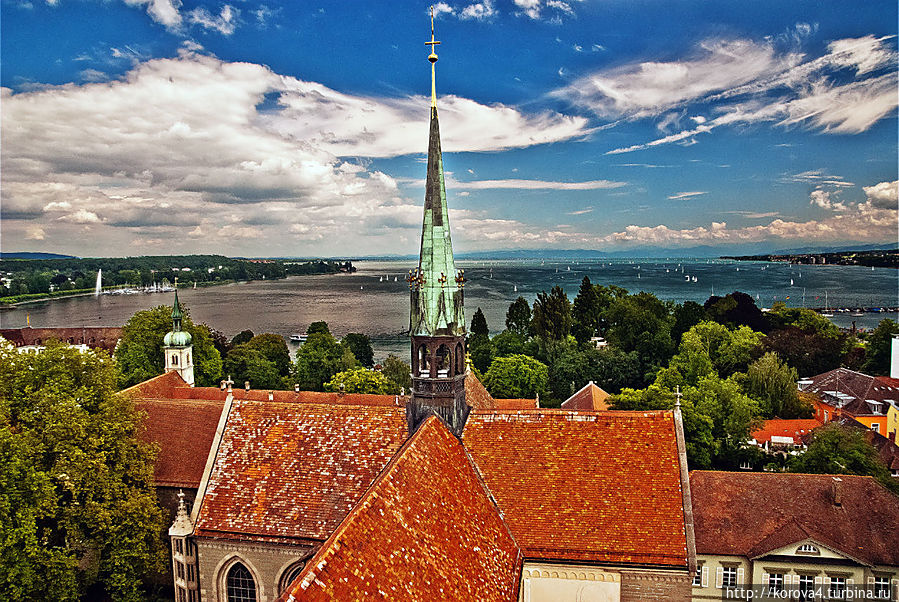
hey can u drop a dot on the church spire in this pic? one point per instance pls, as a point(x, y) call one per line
point(177, 314)
point(437, 307)
point(437, 319)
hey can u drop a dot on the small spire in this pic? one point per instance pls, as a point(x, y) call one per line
point(677, 396)
point(433, 59)
point(177, 314)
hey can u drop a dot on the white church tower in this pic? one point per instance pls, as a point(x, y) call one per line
point(178, 348)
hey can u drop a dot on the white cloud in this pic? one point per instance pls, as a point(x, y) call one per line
point(201, 155)
point(224, 22)
point(34, 232)
point(531, 8)
point(165, 12)
point(443, 8)
point(686, 195)
point(884, 195)
point(479, 11)
point(749, 82)
point(825, 199)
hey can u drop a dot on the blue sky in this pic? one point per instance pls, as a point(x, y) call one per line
point(269, 129)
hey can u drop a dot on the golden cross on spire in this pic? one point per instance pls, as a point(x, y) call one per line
point(433, 58)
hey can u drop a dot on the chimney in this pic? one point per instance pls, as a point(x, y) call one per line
point(296, 388)
point(804, 383)
point(836, 487)
point(271, 395)
point(894, 357)
point(246, 385)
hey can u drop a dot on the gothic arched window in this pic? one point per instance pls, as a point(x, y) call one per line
point(240, 584)
point(460, 360)
point(290, 575)
point(424, 361)
point(444, 361)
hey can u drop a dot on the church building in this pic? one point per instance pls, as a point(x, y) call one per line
point(446, 494)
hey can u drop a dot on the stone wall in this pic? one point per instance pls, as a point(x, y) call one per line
point(268, 563)
point(637, 586)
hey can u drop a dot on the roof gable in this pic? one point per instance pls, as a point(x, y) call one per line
point(439, 536)
point(590, 397)
point(746, 514)
point(293, 471)
point(584, 486)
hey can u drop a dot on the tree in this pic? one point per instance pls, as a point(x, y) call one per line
point(806, 320)
point(710, 347)
point(552, 314)
point(641, 323)
point(398, 374)
point(610, 369)
point(481, 350)
point(809, 352)
point(220, 342)
point(734, 416)
point(317, 327)
point(479, 324)
point(877, 357)
point(773, 383)
point(77, 503)
point(246, 363)
point(518, 318)
point(273, 347)
point(508, 343)
point(244, 336)
point(586, 312)
point(359, 380)
point(319, 359)
point(360, 346)
point(736, 309)
point(517, 377)
point(139, 355)
point(686, 316)
point(835, 449)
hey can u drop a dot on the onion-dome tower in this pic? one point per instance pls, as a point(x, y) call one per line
point(177, 346)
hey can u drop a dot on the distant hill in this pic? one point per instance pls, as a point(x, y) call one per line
point(35, 256)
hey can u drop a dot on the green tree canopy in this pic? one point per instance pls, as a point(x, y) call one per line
point(360, 380)
point(736, 309)
point(76, 499)
point(274, 348)
point(319, 359)
point(509, 342)
point(810, 353)
point(481, 350)
point(806, 320)
point(318, 327)
point(641, 323)
point(516, 377)
point(479, 324)
point(877, 357)
point(835, 449)
point(773, 383)
point(610, 369)
point(518, 318)
point(245, 363)
point(398, 374)
point(586, 311)
point(686, 315)
point(709, 347)
point(360, 345)
point(244, 336)
point(139, 355)
point(552, 315)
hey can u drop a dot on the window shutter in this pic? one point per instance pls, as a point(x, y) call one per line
point(719, 577)
point(705, 576)
point(765, 578)
point(740, 576)
point(870, 580)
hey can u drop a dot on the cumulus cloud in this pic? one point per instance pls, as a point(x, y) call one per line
point(884, 195)
point(231, 150)
point(825, 199)
point(479, 11)
point(164, 12)
point(845, 91)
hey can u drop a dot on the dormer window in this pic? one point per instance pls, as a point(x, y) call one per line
point(807, 548)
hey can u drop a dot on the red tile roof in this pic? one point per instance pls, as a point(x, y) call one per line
point(590, 397)
point(780, 427)
point(426, 530)
point(516, 404)
point(184, 431)
point(476, 394)
point(95, 337)
point(584, 486)
point(752, 514)
point(163, 386)
point(294, 470)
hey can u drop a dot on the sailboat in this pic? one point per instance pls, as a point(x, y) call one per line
point(394, 278)
point(827, 313)
point(693, 279)
point(515, 289)
point(791, 282)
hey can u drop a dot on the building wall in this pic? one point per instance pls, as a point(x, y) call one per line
point(268, 563)
point(546, 582)
point(892, 424)
point(869, 421)
point(755, 572)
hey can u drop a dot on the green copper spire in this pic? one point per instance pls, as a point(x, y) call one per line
point(437, 300)
point(177, 337)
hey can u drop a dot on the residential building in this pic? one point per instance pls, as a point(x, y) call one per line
point(84, 338)
point(793, 531)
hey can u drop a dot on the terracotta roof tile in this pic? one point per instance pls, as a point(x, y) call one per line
point(294, 470)
point(590, 397)
point(748, 514)
point(163, 386)
point(781, 427)
point(516, 404)
point(183, 430)
point(95, 337)
point(584, 486)
point(426, 530)
point(476, 394)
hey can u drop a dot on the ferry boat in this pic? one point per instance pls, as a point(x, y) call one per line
point(298, 338)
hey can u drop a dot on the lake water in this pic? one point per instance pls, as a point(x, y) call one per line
point(375, 299)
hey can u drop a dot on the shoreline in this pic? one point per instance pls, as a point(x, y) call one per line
point(107, 290)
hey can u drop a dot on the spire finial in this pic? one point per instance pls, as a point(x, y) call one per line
point(433, 58)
